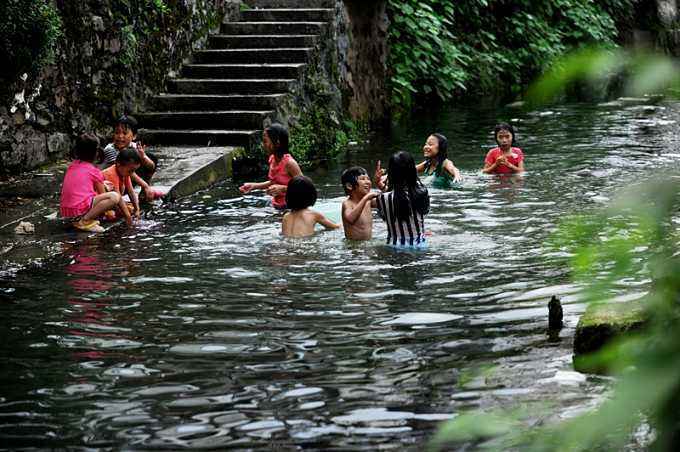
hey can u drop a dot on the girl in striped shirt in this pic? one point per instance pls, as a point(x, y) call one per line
point(404, 201)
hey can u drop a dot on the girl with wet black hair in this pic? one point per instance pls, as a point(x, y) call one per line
point(282, 166)
point(405, 203)
point(437, 164)
point(506, 158)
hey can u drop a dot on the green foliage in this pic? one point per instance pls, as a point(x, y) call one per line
point(319, 136)
point(29, 30)
point(440, 48)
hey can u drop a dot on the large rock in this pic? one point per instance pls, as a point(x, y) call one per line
point(602, 323)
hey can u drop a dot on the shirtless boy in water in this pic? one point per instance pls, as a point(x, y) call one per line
point(357, 217)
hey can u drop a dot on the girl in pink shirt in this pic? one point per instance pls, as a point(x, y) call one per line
point(504, 159)
point(83, 196)
point(282, 166)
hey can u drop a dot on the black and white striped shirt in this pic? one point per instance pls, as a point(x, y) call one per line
point(404, 233)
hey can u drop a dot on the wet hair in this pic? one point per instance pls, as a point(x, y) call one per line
point(129, 122)
point(87, 147)
point(409, 192)
point(279, 136)
point(301, 193)
point(504, 126)
point(351, 177)
point(442, 146)
point(128, 156)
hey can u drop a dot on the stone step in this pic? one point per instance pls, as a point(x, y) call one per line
point(260, 41)
point(272, 28)
point(287, 15)
point(290, 3)
point(245, 138)
point(193, 102)
point(230, 86)
point(252, 56)
point(243, 71)
point(202, 120)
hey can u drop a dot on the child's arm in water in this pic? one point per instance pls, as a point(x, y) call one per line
point(452, 170)
point(250, 186)
point(142, 183)
point(351, 215)
point(325, 222)
point(133, 197)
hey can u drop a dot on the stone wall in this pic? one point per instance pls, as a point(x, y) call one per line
point(111, 57)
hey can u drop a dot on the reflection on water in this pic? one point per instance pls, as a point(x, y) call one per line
point(203, 328)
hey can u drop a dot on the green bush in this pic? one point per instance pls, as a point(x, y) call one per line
point(29, 30)
point(441, 48)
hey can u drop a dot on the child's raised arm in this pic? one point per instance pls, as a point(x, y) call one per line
point(325, 222)
point(378, 177)
point(351, 215)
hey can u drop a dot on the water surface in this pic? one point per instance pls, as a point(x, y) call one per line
point(203, 328)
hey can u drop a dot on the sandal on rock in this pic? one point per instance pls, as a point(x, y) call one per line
point(88, 226)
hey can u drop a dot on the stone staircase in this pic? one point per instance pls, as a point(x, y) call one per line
point(223, 97)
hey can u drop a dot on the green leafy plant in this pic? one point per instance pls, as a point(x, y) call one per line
point(29, 30)
point(440, 49)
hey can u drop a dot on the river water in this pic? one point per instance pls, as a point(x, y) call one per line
point(203, 328)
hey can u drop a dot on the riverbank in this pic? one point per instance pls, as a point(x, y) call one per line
point(34, 198)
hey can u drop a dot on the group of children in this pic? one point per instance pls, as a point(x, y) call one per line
point(88, 193)
point(402, 200)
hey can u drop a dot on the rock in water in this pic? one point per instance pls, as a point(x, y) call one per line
point(555, 314)
point(24, 228)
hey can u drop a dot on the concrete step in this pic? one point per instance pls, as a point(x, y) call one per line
point(217, 137)
point(272, 28)
point(260, 41)
point(201, 102)
point(243, 71)
point(230, 86)
point(290, 3)
point(287, 15)
point(202, 120)
point(252, 56)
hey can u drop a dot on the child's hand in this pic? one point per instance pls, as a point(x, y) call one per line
point(141, 150)
point(276, 189)
point(108, 185)
point(246, 188)
point(371, 195)
point(501, 160)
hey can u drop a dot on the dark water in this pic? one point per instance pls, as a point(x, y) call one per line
point(203, 328)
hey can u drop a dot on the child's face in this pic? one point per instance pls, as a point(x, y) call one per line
point(504, 139)
point(363, 185)
point(267, 143)
point(122, 136)
point(125, 170)
point(431, 148)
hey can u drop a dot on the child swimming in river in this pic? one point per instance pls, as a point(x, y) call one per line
point(357, 217)
point(405, 203)
point(300, 221)
point(282, 166)
point(437, 164)
point(504, 159)
point(83, 196)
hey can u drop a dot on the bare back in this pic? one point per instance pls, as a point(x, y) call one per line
point(300, 223)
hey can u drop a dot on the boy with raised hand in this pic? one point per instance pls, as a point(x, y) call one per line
point(124, 134)
point(357, 218)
